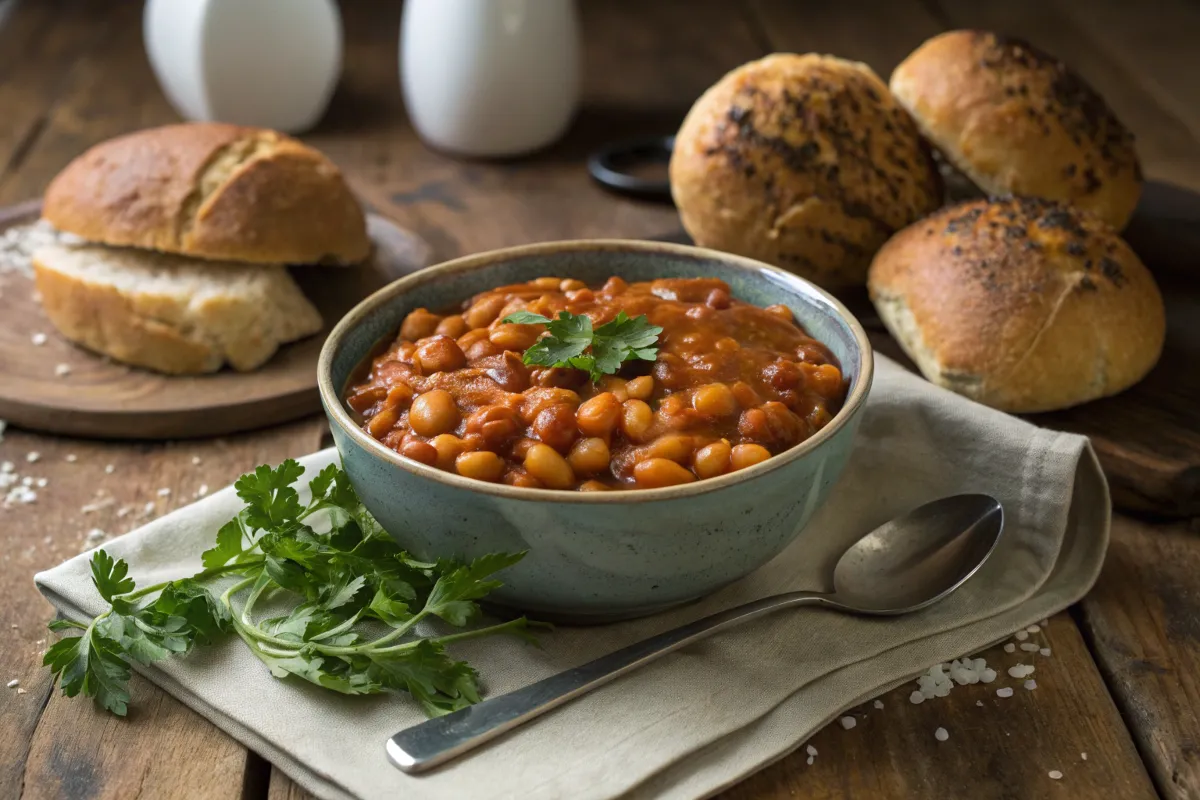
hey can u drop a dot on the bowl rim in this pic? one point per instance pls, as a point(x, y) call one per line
point(337, 413)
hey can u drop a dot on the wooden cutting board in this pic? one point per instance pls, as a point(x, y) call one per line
point(1148, 437)
point(100, 398)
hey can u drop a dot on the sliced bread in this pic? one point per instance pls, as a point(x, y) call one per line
point(168, 313)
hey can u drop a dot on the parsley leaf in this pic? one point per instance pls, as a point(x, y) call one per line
point(572, 342)
point(348, 580)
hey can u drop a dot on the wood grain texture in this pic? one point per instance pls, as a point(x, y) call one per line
point(1143, 623)
point(102, 398)
point(79, 496)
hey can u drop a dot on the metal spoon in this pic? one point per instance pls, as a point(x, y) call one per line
point(902, 566)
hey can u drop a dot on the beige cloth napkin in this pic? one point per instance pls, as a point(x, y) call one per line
point(705, 717)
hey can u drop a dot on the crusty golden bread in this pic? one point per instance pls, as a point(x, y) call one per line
point(210, 190)
point(804, 161)
point(1022, 304)
point(1018, 121)
point(169, 313)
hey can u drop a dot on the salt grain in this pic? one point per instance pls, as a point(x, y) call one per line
point(1010, 648)
point(1083, 756)
point(1021, 671)
point(1029, 647)
point(20, 690)
point(848, 722)
point(38, 339)
point(941, 734)
point(1055, 775)
point(811, 759)
point(195, 461)
point(148, 509)
point(979, 703)
point(13, 683)
point(916, 698)
point(1030, 684)
point(109, 469)
point(1004, 692)
point(96, 505)
point(1022, 635)
point(1045, 651)
point(124, 511)
point(61, 370)
point(203, 490)
point(878, 704)
point(1034, 628)
point(163, 492)
point(32, 456)
point(987, 676)
point(71, 458)
point(812, 751)
point(41, 483)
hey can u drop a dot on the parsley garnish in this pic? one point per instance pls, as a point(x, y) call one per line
point(340, 567)
point(571, 341)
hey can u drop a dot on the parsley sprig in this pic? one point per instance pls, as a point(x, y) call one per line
point(347, 580)
point(572, 342)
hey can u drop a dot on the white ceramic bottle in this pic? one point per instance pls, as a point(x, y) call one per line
point(490, 77)
point(267, 63)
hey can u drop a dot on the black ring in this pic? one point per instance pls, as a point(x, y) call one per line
point(606, 167)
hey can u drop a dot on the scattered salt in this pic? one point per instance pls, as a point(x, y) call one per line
point(61, 370)
point(1029, 647)
point(941, 734)
point(20, 690)
point(163, 492)
point(1030, 684)
point(38, 339)
point(1055, 775)
point(109, 469)
point(1034, 628)
point(203, 490)
point(13, 683)
point(1004, 692)
point(1021, 671)
point(41, 483)
point(1010, 648)
point(878, 704)
point(1022, 635)
point(7, 466)
point(1045, 651)
point(987, 676)
point(124, 511)
point(916, 698)
point(979, 703)
point(811, 759)
point(195, 461)
point(148, 509)
point(848, 722)
point(812, 751)
point(32, 456)
point(96, 505)
point(1083, 756)
point(71, 458)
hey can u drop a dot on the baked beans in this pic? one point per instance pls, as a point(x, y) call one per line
point(732, 385)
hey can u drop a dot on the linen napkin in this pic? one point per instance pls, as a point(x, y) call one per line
point(702, 718)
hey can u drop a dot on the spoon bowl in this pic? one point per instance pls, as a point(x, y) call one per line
point(918, 558)
point(902, 566)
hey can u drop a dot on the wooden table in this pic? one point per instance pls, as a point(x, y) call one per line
point(1122, 682)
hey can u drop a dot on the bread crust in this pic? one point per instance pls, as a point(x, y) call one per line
point(803, 161)
point(213, 191)
point(1021, 304)
point(1016, 120)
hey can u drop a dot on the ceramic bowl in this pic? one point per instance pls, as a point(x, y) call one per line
point(597, 555)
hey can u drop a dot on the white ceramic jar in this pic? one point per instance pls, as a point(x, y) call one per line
point(490, 77)
point(267, 63)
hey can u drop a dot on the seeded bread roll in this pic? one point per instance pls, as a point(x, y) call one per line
point(211, 191)
point(1021, 304)
point(1015, 120)
point(175, 315)
point(803, 161)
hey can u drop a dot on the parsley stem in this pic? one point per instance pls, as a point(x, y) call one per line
point(212, 572)
point(512, 624)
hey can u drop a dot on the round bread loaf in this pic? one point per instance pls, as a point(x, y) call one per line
point(214, 191)
point(803, 161)
point(1015, 120)
point(1021, 304)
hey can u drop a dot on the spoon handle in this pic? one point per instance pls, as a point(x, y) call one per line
point(439, 740)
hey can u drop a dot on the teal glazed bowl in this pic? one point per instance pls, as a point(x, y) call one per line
point(594, 556)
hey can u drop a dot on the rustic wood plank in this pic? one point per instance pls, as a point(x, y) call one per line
point(1143, 624)
point(1004, 749)
point(1170, 151)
